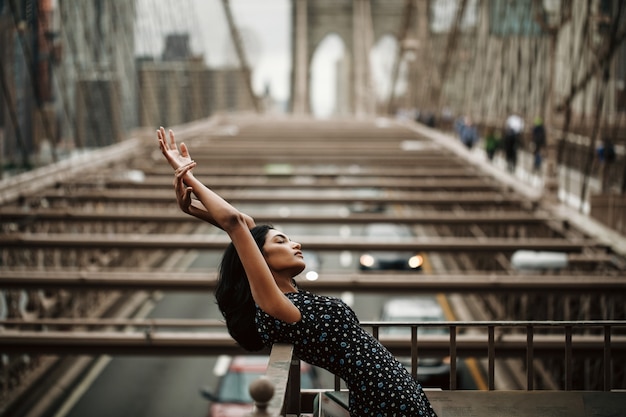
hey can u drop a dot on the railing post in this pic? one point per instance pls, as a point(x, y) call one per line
point(261, 391)
point(292, 397)
point(607, 358)
point(452, 358)
point(492, 357)
point(530, 359)
point(276, 375)
point(414, 357)
point(569, 362)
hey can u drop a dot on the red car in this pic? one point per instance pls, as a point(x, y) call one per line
point(232, 398)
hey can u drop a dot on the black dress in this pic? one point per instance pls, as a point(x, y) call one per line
point(329, 336)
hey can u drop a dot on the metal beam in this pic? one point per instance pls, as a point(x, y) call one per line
point(215, 343)
point(219, 242)
point(262, 182)
point(492, 199)
point(152, 215)
point(322, 172)
point(476, 281)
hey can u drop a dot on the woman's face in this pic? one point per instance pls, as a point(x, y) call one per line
point(283, 255)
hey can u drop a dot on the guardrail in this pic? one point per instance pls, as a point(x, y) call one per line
point(613, 346)
point(604, 341)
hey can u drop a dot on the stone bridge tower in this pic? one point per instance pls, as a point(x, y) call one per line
point(360, 24)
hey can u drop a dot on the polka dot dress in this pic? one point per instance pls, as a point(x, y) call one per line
point(329, 336)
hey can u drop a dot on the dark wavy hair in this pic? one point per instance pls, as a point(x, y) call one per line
point(234, 297)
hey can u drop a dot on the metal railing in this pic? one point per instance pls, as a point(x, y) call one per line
point(604, 338)
point(595, 338)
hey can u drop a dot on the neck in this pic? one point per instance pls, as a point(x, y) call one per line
point(286, 284)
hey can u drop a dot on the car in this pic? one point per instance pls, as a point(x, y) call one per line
point(381, 260)
point(235, 373)
point(421, 308)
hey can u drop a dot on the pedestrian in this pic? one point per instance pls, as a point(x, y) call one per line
point(469, 134)
point(492, 143)
point(539, 143)
point(262, 304)
point(510, 144)
point(513, 129)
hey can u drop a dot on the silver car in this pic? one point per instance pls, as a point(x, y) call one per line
point(420, 308)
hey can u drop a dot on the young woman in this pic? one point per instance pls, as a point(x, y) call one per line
point(262, 305)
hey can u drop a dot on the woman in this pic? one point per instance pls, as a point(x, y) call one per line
point(262, 305)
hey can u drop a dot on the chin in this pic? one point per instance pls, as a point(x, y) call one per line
point(300, 270)
point(297, 270)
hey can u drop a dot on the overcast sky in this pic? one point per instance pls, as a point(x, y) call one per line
point(264, 25)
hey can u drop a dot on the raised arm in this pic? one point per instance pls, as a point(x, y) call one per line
point(193, 206)
point(178, 159)
point(219, 212)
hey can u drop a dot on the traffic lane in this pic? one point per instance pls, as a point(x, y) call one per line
point(147, 386)
point(153, 386)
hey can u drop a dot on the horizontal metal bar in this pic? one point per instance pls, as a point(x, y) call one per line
point(213, 242)
point(120, 343)
point(152, 324)
point(289, 170)
point(366, 282)
point(434, 217)
point(263, 182)
point(213, 343)
point(492, 199)
point(375, 157)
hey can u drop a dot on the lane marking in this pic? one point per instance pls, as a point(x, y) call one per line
point(80, 390)
point(472, 363)
point(101, 363)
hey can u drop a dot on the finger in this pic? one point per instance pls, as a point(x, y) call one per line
point(162, 146)
point(183, 150)
point(172, 140)
point(161, 135)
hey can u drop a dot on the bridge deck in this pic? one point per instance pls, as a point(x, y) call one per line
point(84, 241)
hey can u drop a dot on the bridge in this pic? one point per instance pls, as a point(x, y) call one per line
point(105, 287)
point(87, 242)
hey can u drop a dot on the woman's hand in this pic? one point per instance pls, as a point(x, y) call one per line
point(183, 193)
point(175, 158)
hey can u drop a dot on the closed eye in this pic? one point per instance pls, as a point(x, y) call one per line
point(281, 239)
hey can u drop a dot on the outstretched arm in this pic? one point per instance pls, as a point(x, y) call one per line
point(219, 212)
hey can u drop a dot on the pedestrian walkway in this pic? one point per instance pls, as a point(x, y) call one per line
point(526, 183)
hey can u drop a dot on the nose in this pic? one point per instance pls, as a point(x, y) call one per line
point(296, 245)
